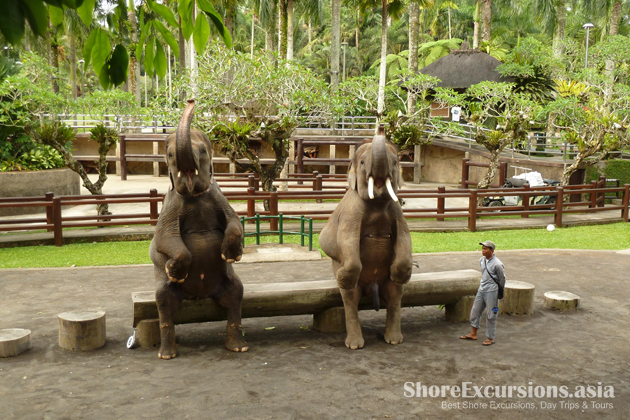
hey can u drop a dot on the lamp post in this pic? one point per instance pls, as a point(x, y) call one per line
point(345, 44)
point(587, 26)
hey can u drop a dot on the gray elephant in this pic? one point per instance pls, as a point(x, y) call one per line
point(197, 237)
point(368, 239)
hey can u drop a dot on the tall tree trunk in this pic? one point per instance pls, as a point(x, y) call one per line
point(54, 57)
point(282, 30)
point(476, 19)
point(134, 74)
point(73, 65)
point(486, 19)
point(182, 48)
point(27, 40)
point(289, 30)
point(614, 30)
point(310, 35)
point(356, 38)
point(335, 44)
point(558, 36)
point(383, 68)
point(229, 19)
point(414, 26)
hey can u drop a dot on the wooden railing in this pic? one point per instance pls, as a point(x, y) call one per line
point(55, 222)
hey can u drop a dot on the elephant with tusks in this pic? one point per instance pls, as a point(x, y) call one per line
point(368, 239)
point(197, 238)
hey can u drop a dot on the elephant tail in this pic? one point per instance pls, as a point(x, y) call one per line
point(376, 302)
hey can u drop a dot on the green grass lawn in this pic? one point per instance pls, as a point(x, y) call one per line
point(613, 236)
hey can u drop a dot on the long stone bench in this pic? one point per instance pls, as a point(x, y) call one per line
point(454, 289)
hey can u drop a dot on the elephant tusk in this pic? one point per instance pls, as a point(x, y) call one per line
point(371, 188)
point(390, 190)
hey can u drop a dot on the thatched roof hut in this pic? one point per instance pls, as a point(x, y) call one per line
point(463, 68)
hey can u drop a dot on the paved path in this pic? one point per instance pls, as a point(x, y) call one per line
point(293, 372)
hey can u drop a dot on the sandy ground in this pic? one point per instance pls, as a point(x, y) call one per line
point(295, 373)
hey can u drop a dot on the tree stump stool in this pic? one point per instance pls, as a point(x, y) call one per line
point(518, 298)
point(460, 311)
point(14, 341)
point(148, 333)
point(82, 330)
point(561, 301)
point(330, 321)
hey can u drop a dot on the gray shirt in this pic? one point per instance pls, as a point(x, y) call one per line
point(496, 268)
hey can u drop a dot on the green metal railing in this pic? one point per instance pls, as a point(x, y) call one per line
point(280, 232)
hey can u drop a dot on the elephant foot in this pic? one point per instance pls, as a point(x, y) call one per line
point(167, 351)
point(235, 340)
point(354, 342)
point(393, 337)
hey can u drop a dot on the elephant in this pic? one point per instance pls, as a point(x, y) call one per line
point(197, 238)
point(368, 239)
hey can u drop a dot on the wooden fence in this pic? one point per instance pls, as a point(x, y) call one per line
point(55, 222)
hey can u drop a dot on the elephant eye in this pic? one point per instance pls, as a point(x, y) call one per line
point(362, 162)
point(203, 151)
point(170, 155)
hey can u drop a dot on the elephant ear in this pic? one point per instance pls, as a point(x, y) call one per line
point(352, 175)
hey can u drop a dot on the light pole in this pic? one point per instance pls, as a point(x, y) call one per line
point(587, 26)
point(345, 44)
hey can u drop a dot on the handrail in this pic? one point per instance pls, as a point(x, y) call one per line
point(55, 222)
point(278, 227)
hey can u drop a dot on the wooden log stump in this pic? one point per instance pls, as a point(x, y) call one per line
point(561, 301)
point(518, 298)
point(330, 321)
point(460, 311)
point(148, 333)
point(82, 330)
point(14, 341)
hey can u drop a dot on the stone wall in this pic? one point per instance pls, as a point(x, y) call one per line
point(37, 184)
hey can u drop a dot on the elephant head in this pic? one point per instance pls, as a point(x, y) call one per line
point(374, 170)
point(189, 157)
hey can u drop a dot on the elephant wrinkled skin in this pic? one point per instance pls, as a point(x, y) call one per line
point(197, 238)
point(368, 240)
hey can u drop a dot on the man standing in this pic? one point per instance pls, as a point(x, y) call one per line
point(492, 275)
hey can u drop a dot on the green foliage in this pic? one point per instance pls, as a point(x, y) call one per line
point(42, 157)
point(618, 169)
point(105, 137)
point(532, 65)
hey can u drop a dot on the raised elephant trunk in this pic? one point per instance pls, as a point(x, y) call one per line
point(184, 152)
point(380, 173)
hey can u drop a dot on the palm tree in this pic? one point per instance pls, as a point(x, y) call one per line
point(336, 43)
point(486, 19)
point(414, 28)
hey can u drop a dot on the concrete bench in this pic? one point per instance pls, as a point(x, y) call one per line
point(454, 289)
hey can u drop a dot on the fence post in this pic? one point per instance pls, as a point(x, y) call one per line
point(251, 181)
point(58, 235)
point(251, 204)
point(526, 198)
point(593, 195)
point(300, 157)
point(153, 207)
point(625, 202)
point(503, 169)
point(273, 210)
point(601, 197)
point(440, 202)
point(310, 234)
point(465, 173)
point(49, 212)
point(472, 211)
point(302, 230)
point(559, 202)
point(123, 159)
point(318, 186)
point(280, 228)
point(243, 224)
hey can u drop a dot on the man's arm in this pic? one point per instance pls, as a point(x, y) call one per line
point(499, 269)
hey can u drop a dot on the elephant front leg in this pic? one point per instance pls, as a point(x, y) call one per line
point(351, 298)
point(392, 329)
point(231, 298)
point(167, 303)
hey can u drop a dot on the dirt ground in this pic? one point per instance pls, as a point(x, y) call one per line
point(295, 373)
